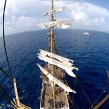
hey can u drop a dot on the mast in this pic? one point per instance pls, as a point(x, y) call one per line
point(52, 42)
point(52, 48)
point(18, 104)
point(98, 105)
point(16, 93)
point(54, 64)
point(101, 102)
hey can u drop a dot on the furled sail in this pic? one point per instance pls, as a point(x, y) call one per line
point(55, 80)
point(63, 24)
point(47, 24)
point(64, 66)
point(53, 11)
point(60, 58)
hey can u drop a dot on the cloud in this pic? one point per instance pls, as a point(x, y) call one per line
point(21, 23)
point(87, 16)
point(80, 18)
point(99, 20)
point(89, 9)
point(26, 14)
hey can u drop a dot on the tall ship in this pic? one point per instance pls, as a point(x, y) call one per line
point(55, 90)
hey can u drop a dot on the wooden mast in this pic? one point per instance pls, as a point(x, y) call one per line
point(16, 93)
point(101, 102)
point(52, 44)
point(17, 104)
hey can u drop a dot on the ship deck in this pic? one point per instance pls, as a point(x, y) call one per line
point(47, 101)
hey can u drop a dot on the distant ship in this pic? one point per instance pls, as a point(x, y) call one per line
point(86, 33)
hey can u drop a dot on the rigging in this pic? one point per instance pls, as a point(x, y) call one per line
point(4, 42)
point(17, 103)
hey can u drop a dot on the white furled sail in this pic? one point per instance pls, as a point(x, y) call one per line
point(55, 80)
point(60, 58)
point(53, 11)
point(63, 24)
point(48, 24)
point(64, 66)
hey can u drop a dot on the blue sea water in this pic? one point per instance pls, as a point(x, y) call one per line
point(90, 55)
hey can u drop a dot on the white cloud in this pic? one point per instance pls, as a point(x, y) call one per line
point(99, 20)
point(80, 17)
point(21, 23)
point(88, 16)
point(102, 20)
point(26, 14)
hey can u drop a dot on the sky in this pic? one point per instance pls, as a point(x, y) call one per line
point(25, 15)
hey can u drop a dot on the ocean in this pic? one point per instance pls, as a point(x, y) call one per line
point(90, 55)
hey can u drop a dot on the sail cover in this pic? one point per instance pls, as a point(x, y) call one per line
point(63, 24)
point(60, 58)
point(53, 11)
point(48, 24)
point(55, 80)
point(64, 66)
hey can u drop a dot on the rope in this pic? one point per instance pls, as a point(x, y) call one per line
point(11, 26)
point(24, 88)
point(5, 95)
point(2, 91)
point(98, 97)
point(7, 59)
point(74, 87)
point(84, 92)
point(5, 73)
point(96, 100)
point(74, 106)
